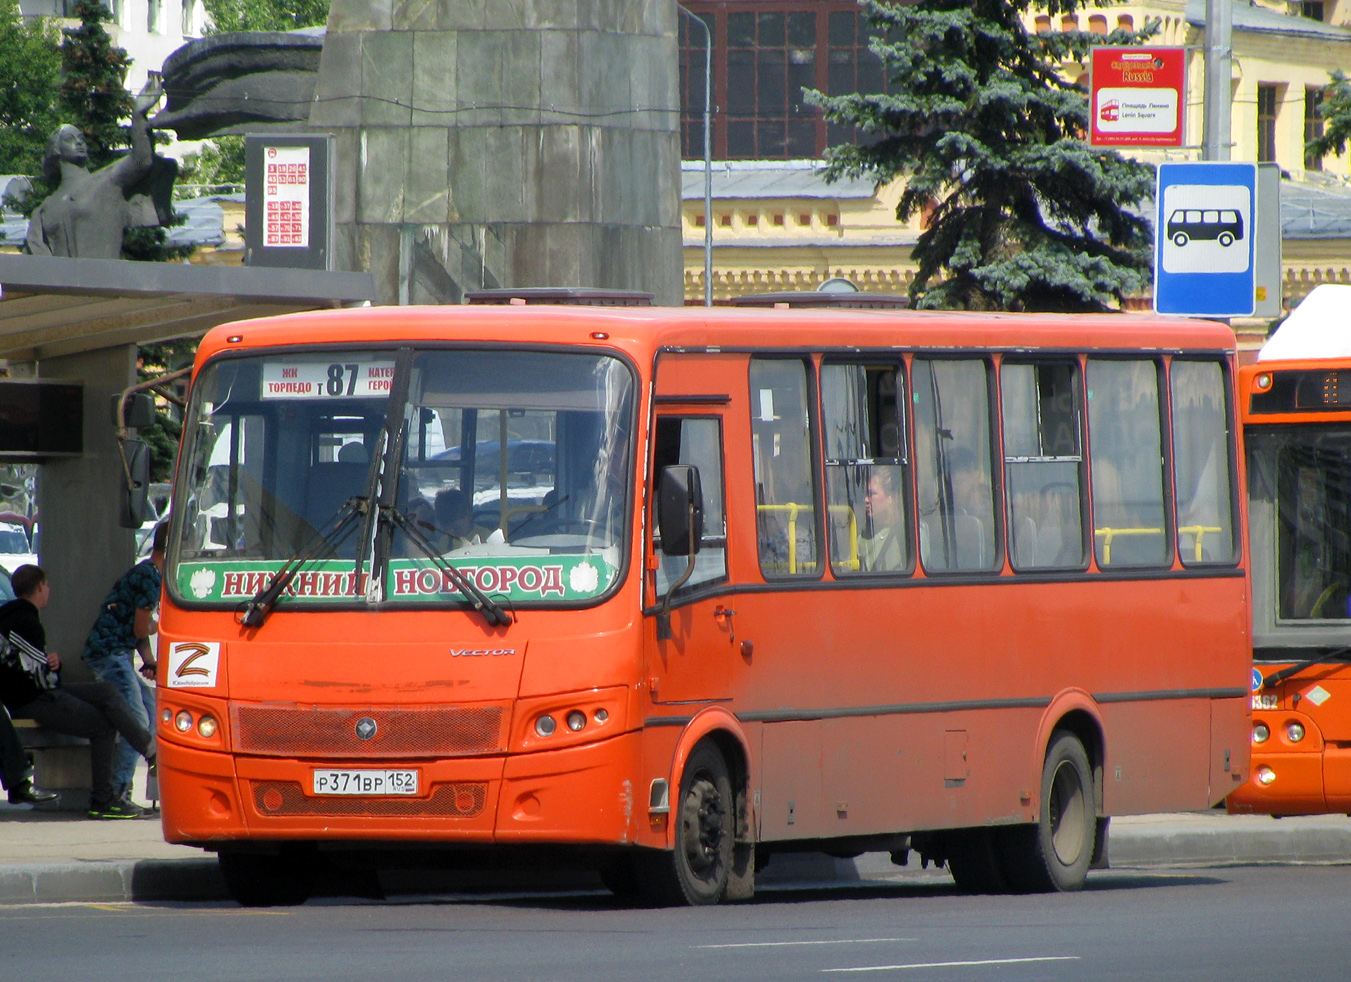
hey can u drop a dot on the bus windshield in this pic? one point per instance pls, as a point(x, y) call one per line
point(1304, 475)
point(512, 465)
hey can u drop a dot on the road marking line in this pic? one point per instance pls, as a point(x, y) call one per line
point(785, 944)
point(984, 961)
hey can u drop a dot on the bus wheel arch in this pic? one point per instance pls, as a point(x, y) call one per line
point(1075, 712)
point(710, 750)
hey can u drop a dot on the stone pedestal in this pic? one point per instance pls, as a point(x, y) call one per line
point(504, 143)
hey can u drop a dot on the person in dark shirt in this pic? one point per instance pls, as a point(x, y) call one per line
point(31, 688)
point(121, 631)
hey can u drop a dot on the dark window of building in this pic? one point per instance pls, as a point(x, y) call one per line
point(1312, 10)
point(770, 52)
point(1313, 124)
point(1266, 122)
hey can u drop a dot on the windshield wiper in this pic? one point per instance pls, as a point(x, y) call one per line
point(254, 611)
point(1336, 654)
point(480, 601)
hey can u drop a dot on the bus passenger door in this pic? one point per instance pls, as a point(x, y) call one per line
point(694, 664)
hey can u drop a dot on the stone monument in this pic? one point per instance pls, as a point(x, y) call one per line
point(504, 143)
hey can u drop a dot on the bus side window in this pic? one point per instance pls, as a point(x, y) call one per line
point(867, 493)
point(785, 500)
point(1126, 463)
point(953, 449)
point(1201, 463)
point(696, 441)
point(1043, 465)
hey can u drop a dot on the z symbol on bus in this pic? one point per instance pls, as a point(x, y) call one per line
point(186, 667)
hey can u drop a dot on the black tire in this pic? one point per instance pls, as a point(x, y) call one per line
point(262, 880)
point(697, 871)
point(1054, 854)
point(1179, 239)
point(974, 860)
point(1226, 239)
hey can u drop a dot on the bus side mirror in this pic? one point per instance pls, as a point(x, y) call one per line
point(135, 484)
point(680, 510)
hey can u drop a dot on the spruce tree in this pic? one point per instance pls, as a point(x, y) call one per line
point(990, 138)
point(93, 70)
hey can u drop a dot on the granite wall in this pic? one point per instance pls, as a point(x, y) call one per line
point(504, 143)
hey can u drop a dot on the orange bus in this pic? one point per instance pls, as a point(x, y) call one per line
point(673, 590)
point(1297, 432)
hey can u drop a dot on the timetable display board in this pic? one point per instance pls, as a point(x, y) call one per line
point(288, 201)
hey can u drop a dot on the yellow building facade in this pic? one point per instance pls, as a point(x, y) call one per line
point(778, 226)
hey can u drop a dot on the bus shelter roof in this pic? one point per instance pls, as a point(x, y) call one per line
point(53, 306)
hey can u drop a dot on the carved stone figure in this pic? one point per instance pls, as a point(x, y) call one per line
point(86, 215)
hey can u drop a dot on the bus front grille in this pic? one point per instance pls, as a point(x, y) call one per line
point(441, 731)
point(462, 800)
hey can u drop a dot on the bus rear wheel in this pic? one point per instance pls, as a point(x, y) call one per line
point(697, 871)
point(1054, 854)
point(268, 880)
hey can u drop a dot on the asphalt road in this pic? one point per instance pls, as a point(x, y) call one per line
point(1230, 923)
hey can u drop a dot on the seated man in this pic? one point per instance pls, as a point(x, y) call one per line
point(30, 688)
point(455, 518)
point(15, 771)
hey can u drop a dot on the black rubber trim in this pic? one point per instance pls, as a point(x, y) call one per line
point(916, 708)
point(703, 400)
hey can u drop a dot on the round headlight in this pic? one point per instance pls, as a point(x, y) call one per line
point(206, 726)
point(601, 715)
point(183, 721)
point(1265, 775)
point(576, 720)
point(166, 715)
point(1295, 731)
point(545, 726)
point(1260, 733)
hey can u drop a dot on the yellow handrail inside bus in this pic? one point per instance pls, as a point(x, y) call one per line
point(792, 508)
point(1108, 534)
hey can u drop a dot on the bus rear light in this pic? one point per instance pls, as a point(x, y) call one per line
point(1260, 733)
point(183, 721)
point(545, 726)
point(206, 726)
point(576, 720)
point(1295, 732)
point(1265, 775)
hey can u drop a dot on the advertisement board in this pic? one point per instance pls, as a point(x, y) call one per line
point(1137, 96)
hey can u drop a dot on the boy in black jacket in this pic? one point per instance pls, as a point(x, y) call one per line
point(30, 688)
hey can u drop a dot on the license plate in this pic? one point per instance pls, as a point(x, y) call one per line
point(365, 782)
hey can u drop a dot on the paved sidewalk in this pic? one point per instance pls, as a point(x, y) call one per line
point(63, 857)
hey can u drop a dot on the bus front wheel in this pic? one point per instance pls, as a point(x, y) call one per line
point(268, 880)
point(697, 871)
point(1054, 853)
point(1179, 239)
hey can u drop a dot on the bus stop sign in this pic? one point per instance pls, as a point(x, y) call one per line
point(1203, 239)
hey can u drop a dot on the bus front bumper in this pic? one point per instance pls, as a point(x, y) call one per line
point(581, 795)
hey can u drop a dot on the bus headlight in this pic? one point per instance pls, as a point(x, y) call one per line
point(576, 720)
point(1295, 731)
point(1260, 733)
point(206, 726)
point(183, 721)
point(1265, 775)
point(545, 726)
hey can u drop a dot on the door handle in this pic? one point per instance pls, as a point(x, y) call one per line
point(723, 616)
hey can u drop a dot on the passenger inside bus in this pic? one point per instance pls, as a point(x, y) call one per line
point(455, 521)
point(884, 551)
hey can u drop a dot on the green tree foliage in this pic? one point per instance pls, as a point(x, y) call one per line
point(220, 161)
point(1336, 113)
point(30, 71)
point(265, 15)
point(162, 438)
point(990, 137)
point(93, 70)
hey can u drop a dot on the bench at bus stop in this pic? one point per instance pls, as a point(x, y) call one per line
point(60, 764)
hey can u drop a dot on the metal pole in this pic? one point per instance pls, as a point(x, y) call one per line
point(708, 155)
point(1218, 92)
